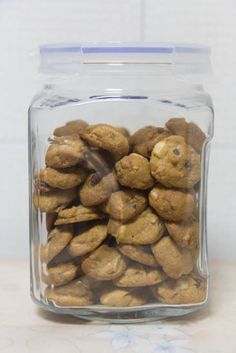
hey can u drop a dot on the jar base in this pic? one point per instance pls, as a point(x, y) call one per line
point(132, 315)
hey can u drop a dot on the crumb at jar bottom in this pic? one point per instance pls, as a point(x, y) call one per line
point(121, 216)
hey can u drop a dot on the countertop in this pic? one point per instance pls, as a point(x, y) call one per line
point(26, 329)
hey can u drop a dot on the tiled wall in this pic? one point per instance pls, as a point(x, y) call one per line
point(27, 23)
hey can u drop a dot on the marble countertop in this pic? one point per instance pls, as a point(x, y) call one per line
point(26, 329)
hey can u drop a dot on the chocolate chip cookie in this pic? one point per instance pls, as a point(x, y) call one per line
point(74, 127)
point(186, 290)
point(138, 253)
point(192, 134)
point(125, 205)
point(72, 294)
point(97, 190)
point(144, 140)
point(78, 214)
point(137, 275)
point(134, 172)
point(64, 152)
point(61, 274)
point(170, 204)
point(58, 239)
point(185, 234)
point(55, 200)
point(104, 263)
point(145, 229)
point(174, 261)
point(107, 138)
point(175, 164)
point(88, 240)
point(122, 297)
point(63, 178)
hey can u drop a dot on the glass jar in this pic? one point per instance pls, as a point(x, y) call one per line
point(118, 162)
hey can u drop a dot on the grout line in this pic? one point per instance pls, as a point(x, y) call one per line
point(142, 20)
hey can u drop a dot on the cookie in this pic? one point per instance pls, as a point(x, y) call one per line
point(192, 134)
point(174, 261)
point(40, 186)
point(175, 164)
point(58, 239)
point(185, 234)
point(63, 178)
point(60, 274)
point(134, 172)
point(88, 240)
point(138, 253)
point(78, 214)
point(172, 205)
point(137, 275)
point(144, 140)
point(186, 290)
point(122, 297)
point(123, 131)
point(55, 200)
point(65, 152)
point(104, 263)
point(145, 229)
point(97, 190)
point(107, 138)
point(72, 294)
point(74, 127)
point(125, 205)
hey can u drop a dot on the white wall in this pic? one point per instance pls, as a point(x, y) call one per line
point(27, 23)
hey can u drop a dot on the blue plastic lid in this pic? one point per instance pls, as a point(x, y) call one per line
point(71, 57)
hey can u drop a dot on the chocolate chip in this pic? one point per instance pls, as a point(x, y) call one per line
point(176, 151)
point(187, 164)
point(95, 178)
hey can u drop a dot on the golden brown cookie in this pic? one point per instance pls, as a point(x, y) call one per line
point(138, 253)
point(174, 261)
point(63, 178)
point(175, 164)
point(97, 190)
point(104, 263)
point(92, 283)
point(186, 290)
point(144, 140)
point(88, 240)
point(40, 186)
point(192, 134)
point(170, 204)
point(74, 127)
point(122, 297)
point(58, 239)
point(65, 151)
point(134, 172)
point(55, 200)
point(125, 205)
point(123, 131)
point(145, 229)
point(108, 138)
point(78, 214)
point(137, 275)
point(72, 294)
point(185, 234)
point(60, 274)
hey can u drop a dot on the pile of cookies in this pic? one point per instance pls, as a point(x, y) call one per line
point(121, 214)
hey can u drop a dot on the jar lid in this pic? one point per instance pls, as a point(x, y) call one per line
point(69, 58)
